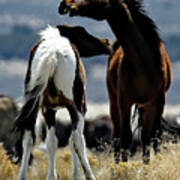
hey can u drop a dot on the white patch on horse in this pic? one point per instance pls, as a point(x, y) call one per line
point(40, 122)
point(54, 57)
point(65, 72)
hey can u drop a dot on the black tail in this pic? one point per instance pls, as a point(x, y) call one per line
point(136, 141)
point(24, 121)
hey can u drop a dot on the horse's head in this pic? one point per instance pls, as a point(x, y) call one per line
point(86, 44)
point(96, 9)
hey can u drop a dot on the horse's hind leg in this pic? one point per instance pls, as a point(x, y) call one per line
point(27, 127)
point(75, 166)
point(51, 142)
point(27, 149)
point(152, 125)
point(77, 144)
point(114, 112)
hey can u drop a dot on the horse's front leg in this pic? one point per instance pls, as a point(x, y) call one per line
point(152, 125)
point(124, 108)
point(114, 112)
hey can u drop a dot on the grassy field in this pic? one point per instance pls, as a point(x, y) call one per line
point(165, 166)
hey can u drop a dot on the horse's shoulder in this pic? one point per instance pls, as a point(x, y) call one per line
point(166, 66)
point(116, 57)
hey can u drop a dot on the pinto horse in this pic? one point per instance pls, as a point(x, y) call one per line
point(55, 78)
point(138, 72)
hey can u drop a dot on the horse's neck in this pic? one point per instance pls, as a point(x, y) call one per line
point(128, 33)
point(133, 42)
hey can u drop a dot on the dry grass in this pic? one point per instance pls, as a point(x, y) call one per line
point(165, 166)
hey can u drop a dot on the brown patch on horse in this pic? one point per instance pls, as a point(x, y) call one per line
point(59, 100)
point(79, 84)
point(139, 70)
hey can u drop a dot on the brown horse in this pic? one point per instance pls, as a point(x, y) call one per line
point(138, 71)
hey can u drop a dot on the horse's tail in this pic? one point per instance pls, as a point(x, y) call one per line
point(24, 121)
point(42, 69)
point(136, 122)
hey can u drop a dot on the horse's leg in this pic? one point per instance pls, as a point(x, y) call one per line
point(116, 125)
point(152, 124)
point(75, 160)
point(27, 127)
point(27, 149)
point(157, 130)
point(51, 143)
point(77, 144)
point(125, 129)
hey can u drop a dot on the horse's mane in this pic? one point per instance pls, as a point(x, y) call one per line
point(145, 24)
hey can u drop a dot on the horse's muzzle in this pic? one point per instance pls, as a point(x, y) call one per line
point(63, 8)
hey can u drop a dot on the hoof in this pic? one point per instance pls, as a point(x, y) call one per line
point(146, 159)
point(124, 156)
point(117, 157)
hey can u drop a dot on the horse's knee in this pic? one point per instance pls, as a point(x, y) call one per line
point(51, 140)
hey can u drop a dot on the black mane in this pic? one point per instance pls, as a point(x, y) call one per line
point(145, 24)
